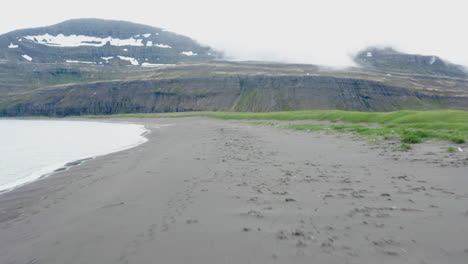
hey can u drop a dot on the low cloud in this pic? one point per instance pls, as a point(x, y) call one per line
point(324, 32)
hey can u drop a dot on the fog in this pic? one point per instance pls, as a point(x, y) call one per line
point(320, 32)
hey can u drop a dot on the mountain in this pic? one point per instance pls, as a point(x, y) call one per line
point(389, 60)
point(92, 66)
point(101, 42)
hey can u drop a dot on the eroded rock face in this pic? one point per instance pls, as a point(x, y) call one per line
point(239, 93)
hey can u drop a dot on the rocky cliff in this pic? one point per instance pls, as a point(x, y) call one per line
point(226, 93)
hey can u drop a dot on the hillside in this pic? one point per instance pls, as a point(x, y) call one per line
point(101, 42)
point(227, 86)
point(390, 60)
point(92, 66)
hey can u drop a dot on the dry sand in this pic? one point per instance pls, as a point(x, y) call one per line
point(212, 191)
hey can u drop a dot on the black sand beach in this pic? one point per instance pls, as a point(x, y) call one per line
point(211, 191)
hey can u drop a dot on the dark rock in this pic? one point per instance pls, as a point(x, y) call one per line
point(191, 221)
point(282, 235)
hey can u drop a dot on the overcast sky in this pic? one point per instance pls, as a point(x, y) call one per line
point(304, 31)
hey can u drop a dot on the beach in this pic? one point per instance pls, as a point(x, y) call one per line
point(203, 190)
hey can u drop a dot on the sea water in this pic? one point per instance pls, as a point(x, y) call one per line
point(30, 149)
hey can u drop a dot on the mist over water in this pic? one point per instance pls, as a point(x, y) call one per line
point(32, 148)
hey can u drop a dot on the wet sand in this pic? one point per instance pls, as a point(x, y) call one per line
point(211, 191)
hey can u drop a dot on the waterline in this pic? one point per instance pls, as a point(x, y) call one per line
point(30, 149)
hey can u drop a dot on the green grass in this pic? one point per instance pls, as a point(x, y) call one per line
point(405, 133)
point(428, 118)
point(399, 117)
point(408, 126)
point(405, 147)
point(451, 149)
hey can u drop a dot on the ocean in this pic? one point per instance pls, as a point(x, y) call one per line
point(30, 149)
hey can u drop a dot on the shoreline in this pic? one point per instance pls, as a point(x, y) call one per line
point(48, 170)
point(210, 191)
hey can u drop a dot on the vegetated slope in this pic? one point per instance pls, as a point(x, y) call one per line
point(101, 42)
point(241, 87)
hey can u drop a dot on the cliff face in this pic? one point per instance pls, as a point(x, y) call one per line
point(225, 93)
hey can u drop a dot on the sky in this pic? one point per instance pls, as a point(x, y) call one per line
point(325, 32)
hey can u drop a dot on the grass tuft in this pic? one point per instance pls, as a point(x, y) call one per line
point(405, 147)
point(411, 139)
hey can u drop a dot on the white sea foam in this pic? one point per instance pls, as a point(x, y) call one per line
point(33, 148)
point(13, 46)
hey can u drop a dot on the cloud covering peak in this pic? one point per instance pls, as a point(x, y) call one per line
point(301, 31)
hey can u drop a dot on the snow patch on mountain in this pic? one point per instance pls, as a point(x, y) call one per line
point(106, 59)
point(146, 64)
point(132, 61)
point(189, 53)
point(26, 57)
point(164, 46)
point(80, 40)
point(83, 62)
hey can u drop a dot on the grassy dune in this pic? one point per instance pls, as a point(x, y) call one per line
point(409, 126)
